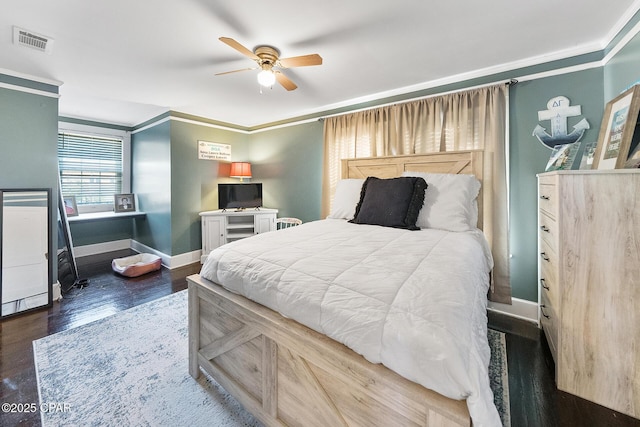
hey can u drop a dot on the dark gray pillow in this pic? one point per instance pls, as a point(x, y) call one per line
point(393, 202)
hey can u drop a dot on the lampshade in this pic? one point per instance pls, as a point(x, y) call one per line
point(266, 78)
point(240, 170)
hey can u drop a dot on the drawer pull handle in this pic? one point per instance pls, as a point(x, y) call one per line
point(543, 197)
point(544, 283)
point(542, 307)
point(544, 256)
point(544, 228)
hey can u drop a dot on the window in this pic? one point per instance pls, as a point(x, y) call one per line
point(93, 167)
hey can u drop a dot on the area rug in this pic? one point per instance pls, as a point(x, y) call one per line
point(132, 369)
point(499, 375)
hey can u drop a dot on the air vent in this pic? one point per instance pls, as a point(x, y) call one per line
point(32, 40)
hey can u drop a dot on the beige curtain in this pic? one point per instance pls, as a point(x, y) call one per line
point(474, 119)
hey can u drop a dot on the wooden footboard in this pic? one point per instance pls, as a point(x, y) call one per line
point(286, 374)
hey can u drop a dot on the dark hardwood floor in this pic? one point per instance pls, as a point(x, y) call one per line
point(534, 399)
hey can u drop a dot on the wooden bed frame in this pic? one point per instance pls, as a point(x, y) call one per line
point(286, 374)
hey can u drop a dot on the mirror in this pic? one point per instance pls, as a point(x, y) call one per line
point(26, 274)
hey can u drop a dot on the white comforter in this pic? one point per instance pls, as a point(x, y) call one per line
point(414, 301)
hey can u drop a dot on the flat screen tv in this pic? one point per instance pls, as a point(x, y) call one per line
point(240, 196)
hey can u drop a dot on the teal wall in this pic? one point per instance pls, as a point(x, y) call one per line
point(101, 231)
point(28, 146)
point(288, 161)
point(151, 183)
point(194, 181)
point(622, 70)
point(28, 138)
point(173, 186)
point(528, 157)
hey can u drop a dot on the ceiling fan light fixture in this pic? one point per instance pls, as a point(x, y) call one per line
point(266, 78)
point(268, 57)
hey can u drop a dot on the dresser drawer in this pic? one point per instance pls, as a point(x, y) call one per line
point(549, 323)
point(548, 257)
point(549, 273)
point(548, 199)
point(548, 230)
point(549, 282)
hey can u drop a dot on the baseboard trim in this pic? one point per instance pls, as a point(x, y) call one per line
point(100, 248)
point(520, 308)
point(168, 261)
point(186, 259)
point(57, 291)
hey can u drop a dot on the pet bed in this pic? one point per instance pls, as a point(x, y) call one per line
point(136, 265)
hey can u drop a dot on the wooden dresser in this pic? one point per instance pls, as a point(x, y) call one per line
point(589, 276)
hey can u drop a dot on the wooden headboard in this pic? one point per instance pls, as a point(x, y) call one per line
point(455, 162)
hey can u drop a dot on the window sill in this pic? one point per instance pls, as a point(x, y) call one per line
point(102, 216)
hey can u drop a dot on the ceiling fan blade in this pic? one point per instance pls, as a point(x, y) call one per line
point(235, 71)
point(301, 61)
point(285, 81)
point(237, 46)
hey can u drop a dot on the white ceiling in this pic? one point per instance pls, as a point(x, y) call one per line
point(127, 61)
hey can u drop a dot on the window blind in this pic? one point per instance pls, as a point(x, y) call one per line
point(90, 167)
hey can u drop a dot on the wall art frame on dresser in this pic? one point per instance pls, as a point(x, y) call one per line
point(617, 130)
point(26, 245)
point(633, 161)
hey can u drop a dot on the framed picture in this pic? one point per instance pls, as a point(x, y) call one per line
point(563, 157)
point(124, 203)
point(634, 159)
point(588, 153)
point(616, 131)
point(70, 206)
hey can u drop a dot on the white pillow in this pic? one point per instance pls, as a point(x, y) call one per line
point(346, 198)
point(449, 202)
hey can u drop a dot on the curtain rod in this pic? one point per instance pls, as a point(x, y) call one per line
point(510, 82)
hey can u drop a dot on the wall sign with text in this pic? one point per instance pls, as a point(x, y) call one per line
point(214, 151)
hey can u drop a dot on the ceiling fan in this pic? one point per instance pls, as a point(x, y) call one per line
point(268, 60)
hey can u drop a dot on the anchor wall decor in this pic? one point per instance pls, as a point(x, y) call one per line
point(558, 110)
